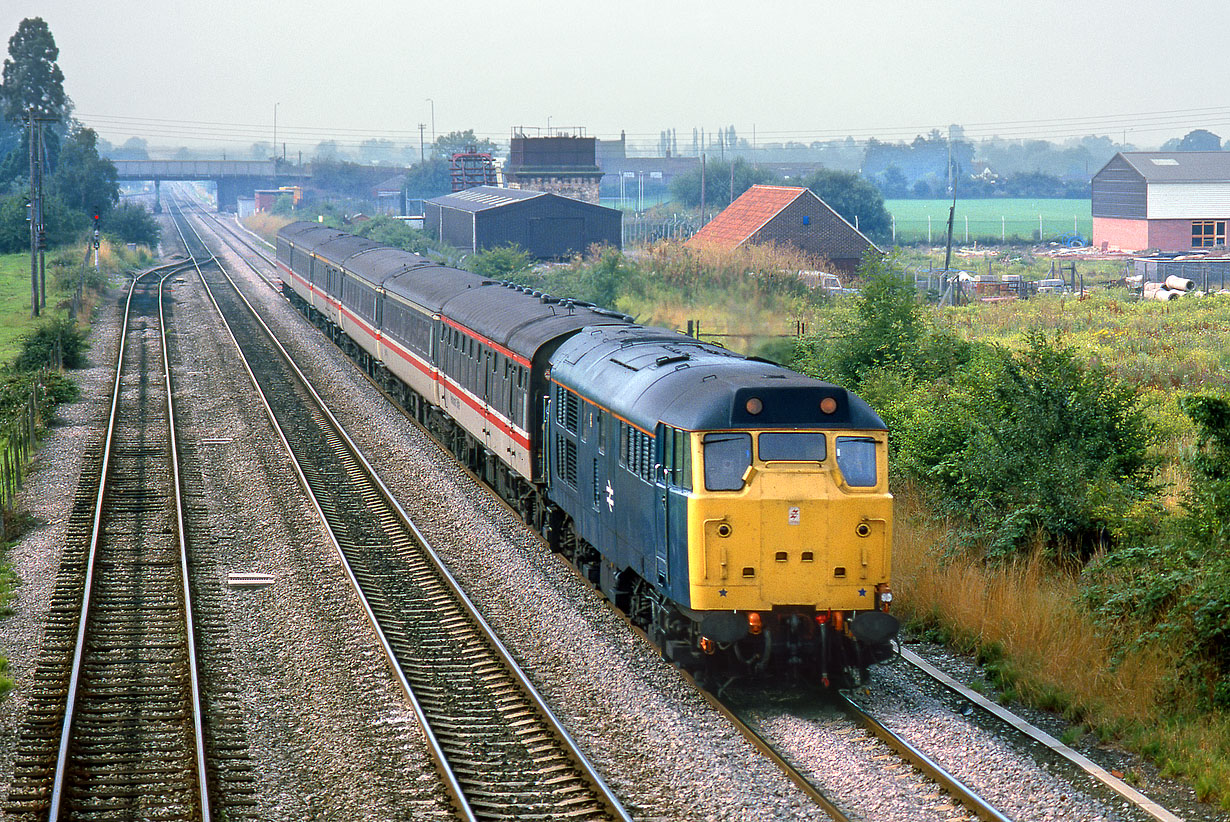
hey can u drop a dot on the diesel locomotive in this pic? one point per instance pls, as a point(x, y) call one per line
point(736, 511)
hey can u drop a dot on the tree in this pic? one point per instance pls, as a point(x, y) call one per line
point(33, 82)
point(82, 179)
point(458, 142)
point(1200, 140)
point(375, 151)
point(429, 179)
point(134, 148)
point(854, 198)
point(893, 183)
point(686, 187)
point(132, 223)
point(328, 150)
point(64, 225)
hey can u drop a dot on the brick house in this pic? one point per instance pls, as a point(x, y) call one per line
point(1167, 200)
point(790, 216)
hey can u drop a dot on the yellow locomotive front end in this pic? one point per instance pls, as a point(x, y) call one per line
point(775, 521)
point(790, 538)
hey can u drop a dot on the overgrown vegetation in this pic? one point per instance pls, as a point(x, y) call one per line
point(1062, 469)
point(1062, 511)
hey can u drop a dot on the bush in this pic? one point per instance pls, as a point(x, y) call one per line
point(510, 262)
point(132, 223)
point(1031, 444)
point(58, 336)
point(387, 231)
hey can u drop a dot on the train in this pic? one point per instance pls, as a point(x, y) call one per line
point(736, 511)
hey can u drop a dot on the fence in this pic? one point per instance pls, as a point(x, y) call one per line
point(641, 230)
point(18, 441)
point(983, 229)
point(1208, 274)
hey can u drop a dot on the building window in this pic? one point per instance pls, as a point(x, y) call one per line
point(1208, 233)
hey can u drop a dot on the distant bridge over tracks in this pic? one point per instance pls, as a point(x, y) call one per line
point(232, 177)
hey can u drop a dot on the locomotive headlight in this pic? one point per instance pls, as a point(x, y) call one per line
point(884, 596)
point(754, 406)
point(828, 405)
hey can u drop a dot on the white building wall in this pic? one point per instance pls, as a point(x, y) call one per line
point(1187, 201)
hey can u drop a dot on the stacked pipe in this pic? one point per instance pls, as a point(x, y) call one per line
point(1173, 288)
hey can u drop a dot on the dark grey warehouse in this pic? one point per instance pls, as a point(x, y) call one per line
point(548, 226)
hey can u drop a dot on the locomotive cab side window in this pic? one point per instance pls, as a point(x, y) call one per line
point(676, 457)
point(727, 458)
point(856, 457)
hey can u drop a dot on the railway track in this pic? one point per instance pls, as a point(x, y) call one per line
point(500, 751)
point(931, 772)
point(833, 807)
point(117, 731)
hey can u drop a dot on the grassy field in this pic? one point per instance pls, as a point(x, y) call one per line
point(989, 221)
point(15, 320)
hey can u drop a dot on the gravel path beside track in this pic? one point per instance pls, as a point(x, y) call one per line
point(329, 733)
point(48, 498)
point(656, 741)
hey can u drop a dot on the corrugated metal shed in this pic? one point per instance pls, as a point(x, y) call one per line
point(1180, 166)
point(548, 226)
point(1163, 185)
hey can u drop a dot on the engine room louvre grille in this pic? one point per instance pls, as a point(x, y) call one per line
point(597, 487)
point(568, 413)
point(566, 460)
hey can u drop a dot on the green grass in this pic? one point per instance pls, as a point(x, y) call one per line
point(989, 220)
point(15, 320)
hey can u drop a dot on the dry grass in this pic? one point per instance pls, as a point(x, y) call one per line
point(1026, 622)
point(266, 224)
point(1030, 611)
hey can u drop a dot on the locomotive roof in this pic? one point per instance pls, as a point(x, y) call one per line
point(647, 375)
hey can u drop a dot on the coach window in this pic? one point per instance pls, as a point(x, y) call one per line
point(727, 458)
point(856, 457)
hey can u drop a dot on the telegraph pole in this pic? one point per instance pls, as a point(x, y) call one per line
point(421, 154)
point(42, 228)
point(33, 216)
point(702, 189)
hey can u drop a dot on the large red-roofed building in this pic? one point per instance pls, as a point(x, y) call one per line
point(790, 216)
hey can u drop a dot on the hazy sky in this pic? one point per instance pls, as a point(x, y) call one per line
point(195, 72)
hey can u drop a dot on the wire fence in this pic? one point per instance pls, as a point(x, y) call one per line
point(991, 229)
point(17, 441)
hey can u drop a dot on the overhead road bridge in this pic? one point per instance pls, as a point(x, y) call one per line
point(232, 177)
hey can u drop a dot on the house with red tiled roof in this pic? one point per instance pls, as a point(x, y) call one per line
point(786, 215)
